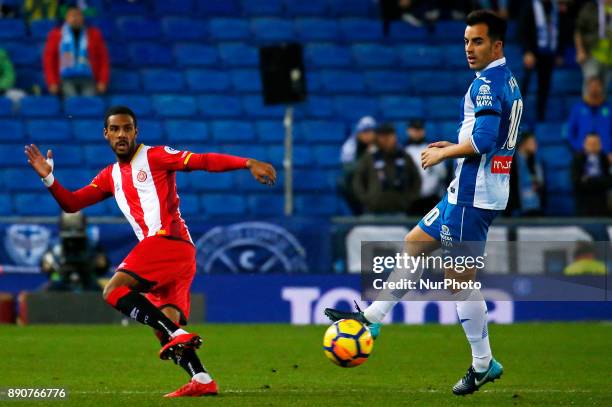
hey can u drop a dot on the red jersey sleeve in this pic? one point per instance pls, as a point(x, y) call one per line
point(167, 158)
point(100, 189)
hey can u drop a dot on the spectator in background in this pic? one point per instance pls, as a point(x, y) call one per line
point(539, 32)
point(585, 261)
point(386, 181)
point(592, 178)
point(527, 190)
point(361, 141)
point(433, 178)
point(7, 80)
point(591, 115)
point(76, 58)
point(593, 41)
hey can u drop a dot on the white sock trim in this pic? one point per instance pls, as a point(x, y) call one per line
point(202, 378)
point(178, 332)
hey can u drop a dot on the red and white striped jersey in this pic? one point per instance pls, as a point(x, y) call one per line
point(145, 190)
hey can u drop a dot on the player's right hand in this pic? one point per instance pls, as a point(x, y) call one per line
point(43, 166)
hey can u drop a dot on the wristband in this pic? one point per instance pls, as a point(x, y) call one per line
point(48, 180)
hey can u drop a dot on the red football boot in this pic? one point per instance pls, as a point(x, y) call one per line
point(196, 389)
point(180, 342)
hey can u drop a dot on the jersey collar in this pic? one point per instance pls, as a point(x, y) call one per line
point(498, 62)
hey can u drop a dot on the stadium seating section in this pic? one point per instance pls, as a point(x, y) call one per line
point(189, 69)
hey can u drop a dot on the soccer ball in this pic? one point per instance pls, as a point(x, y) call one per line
point(347, 343)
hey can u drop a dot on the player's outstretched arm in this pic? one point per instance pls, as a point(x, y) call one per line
point(69, 201)
point(215, 162)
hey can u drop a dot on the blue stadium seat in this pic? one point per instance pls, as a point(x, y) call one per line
point(84, 106)
point(322, 131)
point(174, 105)
point(419, 56)
point(318, 107)
point(238, 54)
point(223, 204)
point(120, 7)
point(12, 155)
point(327, 156)
point(314, 81)
point(218, 8)
point(566, 81)
point(244, 182)
point(174, 8)
point(316, 204)
point(162, 80)
point(256, 8)
point(19, 180)
point(88, 130)
point(39, 106)
point(28, 78)
point(448, 131)
point(6, 205)
point(245, 150)
point(449, 31)
point(353, 8)
point(188, 55)
point(246, 80)
point(361, 29)
point(119, 54)
point(317, 29)
point(189, 205)
point(23, 54)
point(270, 131)
point(343, 81)
point(150, 54)
point(550, 133)
point(106, 25)
point(123, 80)
point(561, 205)
point(203, 181)
point(48, 130)
point(266, 204)
point(327, 55)
point(183, 183)
point(6, 107)
point(442, 108)
point(39, 204)
point(181, 131)
point(306, 8)
point(141, 105)
point(434, 83)
point(229, 29)
point(555, 157)
point(233, 131)
point(401, 107)
point(374, 55)
point(150, 132)
point(255, 108)
point(397, 81)
point(12, 28)
point(67, 155)
point(558, 180)
point(403, 33)
point(454, 56)
point(184, 29)
point(555, 109)
point(220, 106)
point(98, 156)
point(201, 80)
point(138, 28)
point(271, 30)
point(75, 178)
point(40, 28)
point(353, 108)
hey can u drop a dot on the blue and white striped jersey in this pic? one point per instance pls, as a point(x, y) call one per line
point(490, 118)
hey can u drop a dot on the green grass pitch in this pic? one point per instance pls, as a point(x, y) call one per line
point(281, 365)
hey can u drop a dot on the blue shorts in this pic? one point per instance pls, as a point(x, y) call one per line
point(452, 224)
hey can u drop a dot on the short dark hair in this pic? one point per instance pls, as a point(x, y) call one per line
point(384, 129)
point(113, 110)
point(497, 26)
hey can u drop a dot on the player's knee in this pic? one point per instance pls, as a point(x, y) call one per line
point(112, 294)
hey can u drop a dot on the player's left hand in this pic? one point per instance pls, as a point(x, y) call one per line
point(262, 172)
point(431, 156)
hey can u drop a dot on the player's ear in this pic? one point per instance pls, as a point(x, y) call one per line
point(105, 134)
point(135, 132)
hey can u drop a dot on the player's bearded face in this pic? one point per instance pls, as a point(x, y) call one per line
point(121, 134)
point(480, 50)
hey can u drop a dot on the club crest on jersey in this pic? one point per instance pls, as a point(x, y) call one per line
point(141, 176)
point(250, 247)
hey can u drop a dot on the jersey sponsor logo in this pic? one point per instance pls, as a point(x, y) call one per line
point(171, 150)
point(501, 164)
point(141, 176)
point(250, 247)
point(26, 244)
